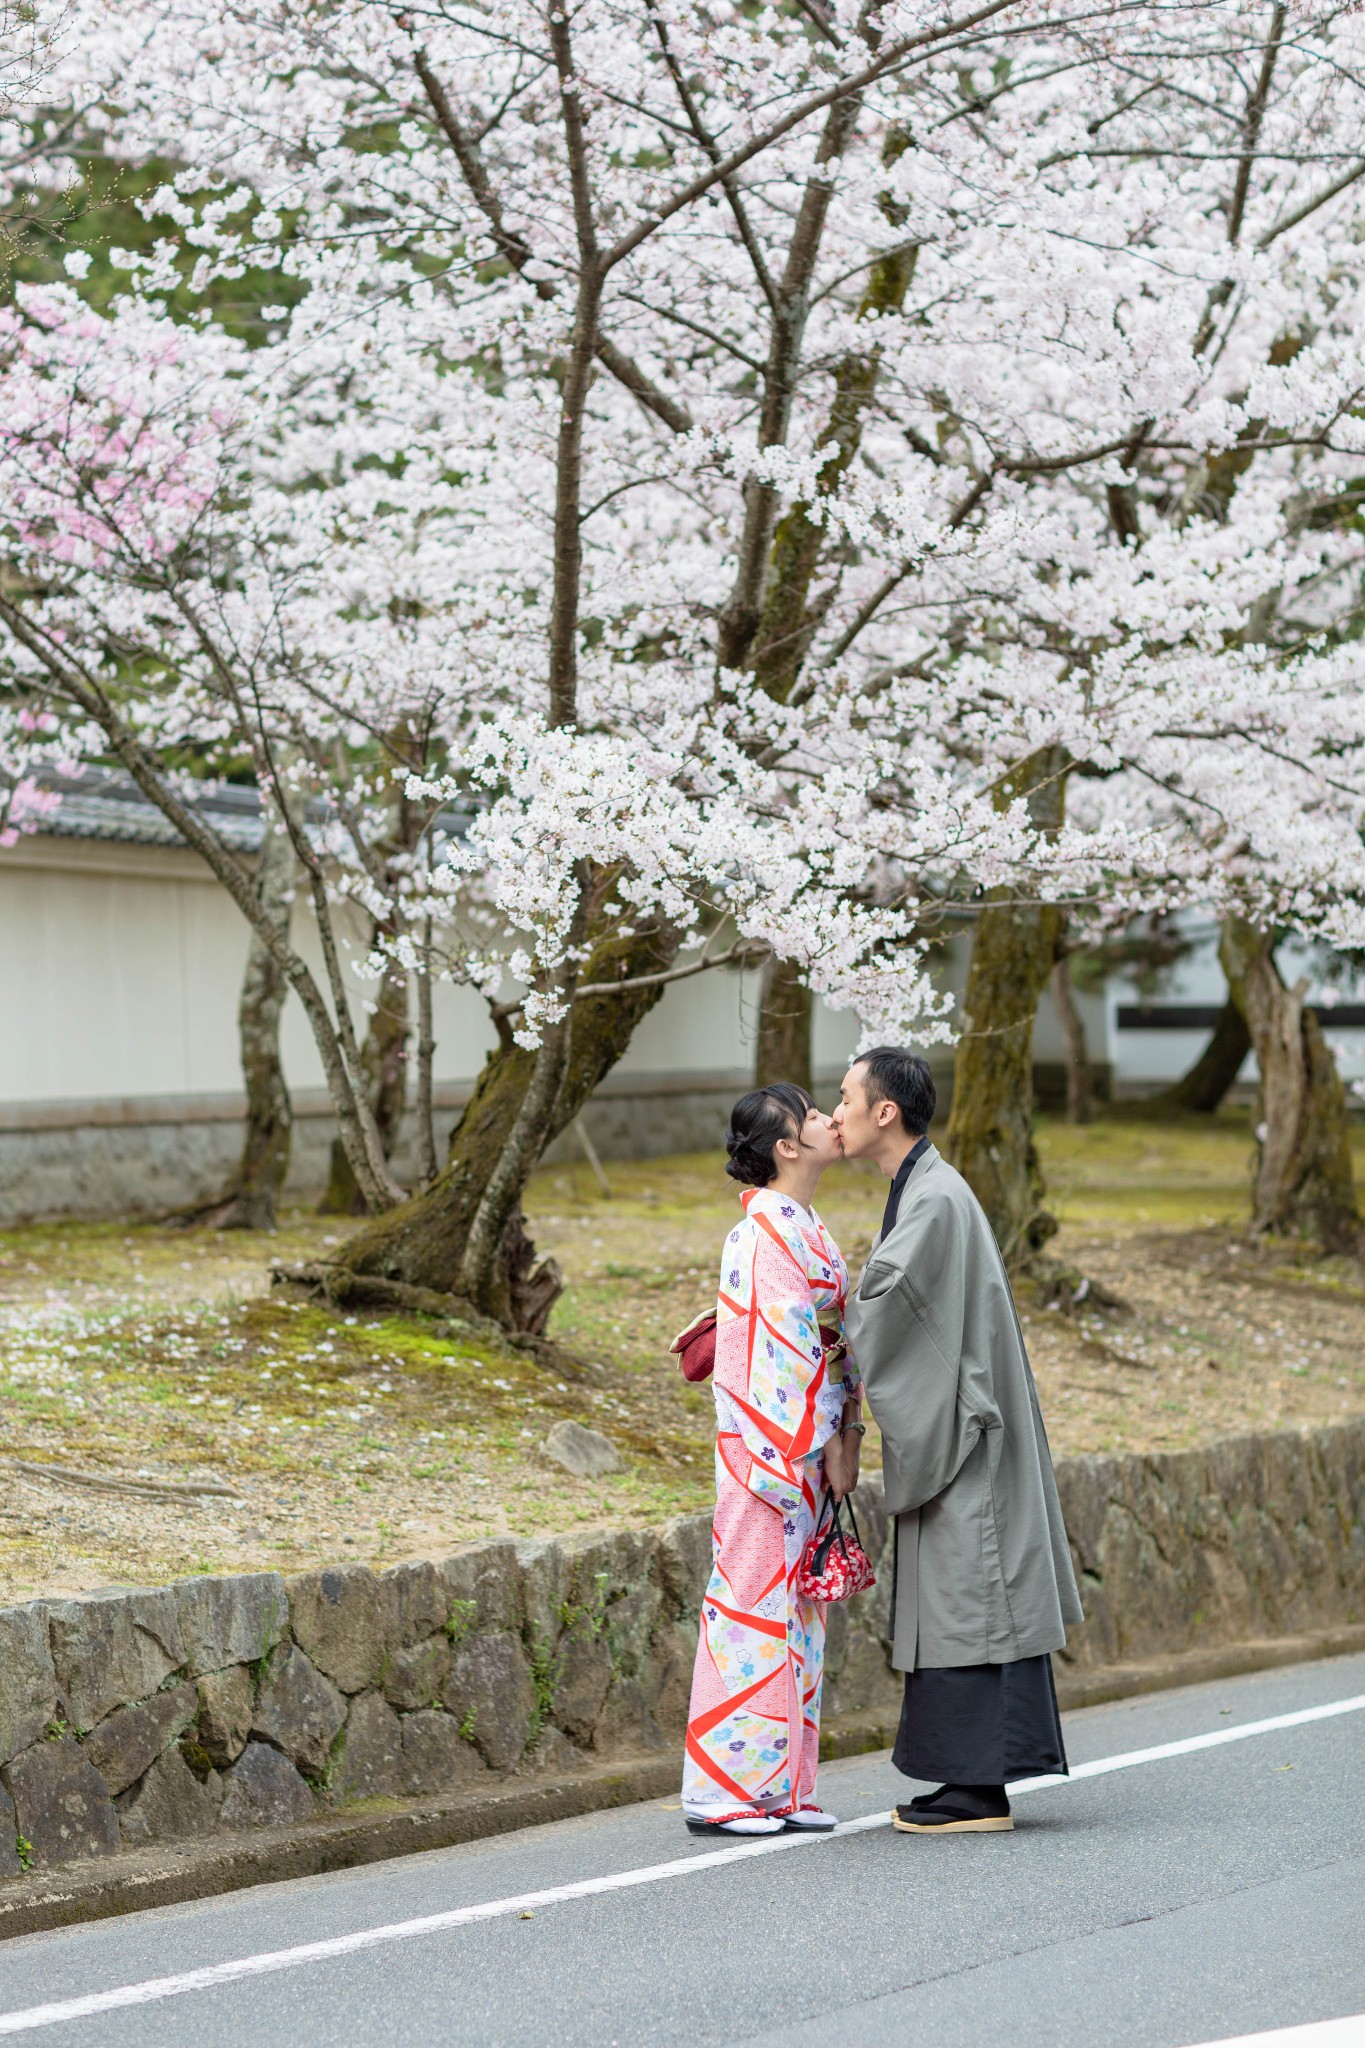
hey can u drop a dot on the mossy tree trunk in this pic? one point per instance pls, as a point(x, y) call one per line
point(792, 611)
point(383, 1061)
point(1200, 1091)
point(783, 1052)
point(990, 1126)
point(1303, 1182)
point(422, 1243)
point(384, 1051)
point(1080, 1080)
point(249, 1200)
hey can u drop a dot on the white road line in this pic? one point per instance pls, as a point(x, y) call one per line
point(1344, 2033)
point(155, 1988)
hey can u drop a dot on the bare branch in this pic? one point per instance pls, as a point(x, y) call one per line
point(845, 88)
point(712, 149)
point(516, 251)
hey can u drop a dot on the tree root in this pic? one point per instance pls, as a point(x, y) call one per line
point(1055, 1284)
point(233, 1210)
point(343, 1288)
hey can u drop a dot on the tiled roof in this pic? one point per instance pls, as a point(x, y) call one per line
point(103, 804)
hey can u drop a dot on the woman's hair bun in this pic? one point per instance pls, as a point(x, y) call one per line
point(757, 1121)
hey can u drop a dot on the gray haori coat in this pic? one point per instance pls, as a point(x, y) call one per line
point(983, 1572)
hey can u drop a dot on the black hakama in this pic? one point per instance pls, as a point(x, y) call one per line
point(980, 1724)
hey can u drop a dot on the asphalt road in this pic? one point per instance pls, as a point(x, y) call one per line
point(1177, 1899)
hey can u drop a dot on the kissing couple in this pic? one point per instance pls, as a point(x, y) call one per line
point(982, 1587)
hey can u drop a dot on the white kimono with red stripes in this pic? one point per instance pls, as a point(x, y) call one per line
point(753, 1731)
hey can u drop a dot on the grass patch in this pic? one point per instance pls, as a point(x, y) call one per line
point(146, 1354)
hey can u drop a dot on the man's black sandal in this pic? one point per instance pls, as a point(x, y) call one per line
point(955, 1810)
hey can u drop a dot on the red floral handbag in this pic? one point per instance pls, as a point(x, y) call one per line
point(695, 1348)
point(834, 1565)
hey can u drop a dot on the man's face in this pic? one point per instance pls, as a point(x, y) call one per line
point(859, 1123)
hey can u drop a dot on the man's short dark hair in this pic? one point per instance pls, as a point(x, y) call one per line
point(892, 1073)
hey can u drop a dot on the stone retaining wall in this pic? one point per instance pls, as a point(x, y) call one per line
point(162, 1714)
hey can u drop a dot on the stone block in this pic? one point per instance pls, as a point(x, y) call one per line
point(583, 1679)
point(1082, 1485)
point(543, 1575)
point(170, 1804)
point(552, 1755)
point(368, 1760)
point(869, 1506)
point(112, 1648)
point(614, 1589)
point(337, 1616)
point(583, 1453)
point(490, 1691)
point(415, 1604)
point(836, 1639)
point(263, 1790)
point(28, 1682)
point(10, 1865)
point(675, 1657)
point(62, 1806)
point(131, 1738)
point(626, 1724)
point(230, 1620)
point(413, 1678)
point(436, 1758)
point(629, 1624)
point(224, 1713)
point(684, 1552)
point(481, 1589)
point(298, 1710)
point(876, 1603)
point(865, 1678)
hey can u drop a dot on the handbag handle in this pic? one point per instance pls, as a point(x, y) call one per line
point(824, 1544)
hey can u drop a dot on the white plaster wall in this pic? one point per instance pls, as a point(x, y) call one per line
point(124, 968)
point(122, 965)
point(125, 964)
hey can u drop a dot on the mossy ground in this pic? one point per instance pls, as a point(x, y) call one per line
point(141, 1353)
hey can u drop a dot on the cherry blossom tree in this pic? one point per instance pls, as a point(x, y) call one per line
point(779, 466)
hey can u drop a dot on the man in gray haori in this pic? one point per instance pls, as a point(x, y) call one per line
point(983, 1587)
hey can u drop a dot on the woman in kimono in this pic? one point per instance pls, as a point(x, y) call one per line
point(785, 1395)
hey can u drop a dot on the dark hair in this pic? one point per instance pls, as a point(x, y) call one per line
point(892, 1073)
point(757, 1121)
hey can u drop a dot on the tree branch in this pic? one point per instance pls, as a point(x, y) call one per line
point(83, 689)
point(517, 253)
point(843, 89)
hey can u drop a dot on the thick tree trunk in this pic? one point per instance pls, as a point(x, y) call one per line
point(1303, 1180)
point(790, 616)
point(248, 1202)
point(423, 1242)
point(383, 1060)
point(1200, 1091)
point(783, 1052)
point(990, 1127)
point(1080, 1086)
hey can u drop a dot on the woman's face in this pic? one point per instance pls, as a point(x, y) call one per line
point(820, 1138)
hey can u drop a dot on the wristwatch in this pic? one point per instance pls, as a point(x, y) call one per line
point(854, 1429)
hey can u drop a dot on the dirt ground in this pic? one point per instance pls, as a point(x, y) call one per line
point(141, 1366)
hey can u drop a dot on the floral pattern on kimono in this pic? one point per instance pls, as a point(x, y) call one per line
point(753, 1729)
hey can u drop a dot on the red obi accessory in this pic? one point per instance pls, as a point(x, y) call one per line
point(834, 1565)
point(695, 1348)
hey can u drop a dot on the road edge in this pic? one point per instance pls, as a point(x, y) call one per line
point(137, 1880)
